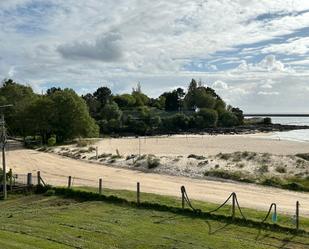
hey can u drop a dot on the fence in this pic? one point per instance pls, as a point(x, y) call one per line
point(26, 181)
point(232, 202)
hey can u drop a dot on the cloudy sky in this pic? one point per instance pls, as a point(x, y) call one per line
point(255, 53)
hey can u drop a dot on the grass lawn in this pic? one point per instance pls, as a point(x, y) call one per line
point(37, 221)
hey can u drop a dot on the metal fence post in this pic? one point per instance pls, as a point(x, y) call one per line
point(29, 179)
point(70, 182)
point(100, 186)
point(39, 178)
point(138, 195)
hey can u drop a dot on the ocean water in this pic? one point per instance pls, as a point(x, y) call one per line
point(295, 135)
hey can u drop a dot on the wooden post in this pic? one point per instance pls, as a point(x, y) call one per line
point(29, 179)
point(138, 194)
point(11, 179)
point(39, 178)
point(233, 204)
point(70, 182)
point(100, 186)
point(139, 146)
point(297, 215)
point(96, 153)
point(182, 199)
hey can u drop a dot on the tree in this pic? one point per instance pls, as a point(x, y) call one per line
point(93, 104)
point(110, 111)
point(125, 100)
point(71, 117)
point(21, 97)
point(103, 95)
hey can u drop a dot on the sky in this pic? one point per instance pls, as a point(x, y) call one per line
point(254, 53)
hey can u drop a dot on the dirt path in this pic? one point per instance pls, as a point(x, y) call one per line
point(55, 170)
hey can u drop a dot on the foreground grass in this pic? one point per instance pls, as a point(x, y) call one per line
point(38, 221)
point(282, 219)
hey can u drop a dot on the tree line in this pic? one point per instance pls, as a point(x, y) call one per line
point(197, 108)
point(63, 115)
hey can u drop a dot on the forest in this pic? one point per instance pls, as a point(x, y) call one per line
point(61, 114)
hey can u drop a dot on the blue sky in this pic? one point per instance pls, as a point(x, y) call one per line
point(254, 53)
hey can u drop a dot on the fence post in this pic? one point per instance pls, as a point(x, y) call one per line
point(297, 215)
point(182, 198)
point(70, 182)
point(233, 204)
point(29, 179)
point(96, 153)
point(138, 194)
point(11, 179)
point(100, 186)
point(39, 178)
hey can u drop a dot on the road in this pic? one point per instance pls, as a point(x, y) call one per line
point(55, 170)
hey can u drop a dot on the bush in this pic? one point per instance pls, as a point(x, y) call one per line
point(263, 169)
point(52, 141)
point(197, 157)
point(228, 119)
point(206, 118)
point(304, 156)
point(49, 192)
point(267, 121)
point(281, 169)
point(152, 162)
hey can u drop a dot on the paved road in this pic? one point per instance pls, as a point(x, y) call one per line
point(55, 170)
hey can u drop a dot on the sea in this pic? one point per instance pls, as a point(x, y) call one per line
point(295, 135)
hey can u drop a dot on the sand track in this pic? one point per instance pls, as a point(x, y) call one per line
point(55, 170)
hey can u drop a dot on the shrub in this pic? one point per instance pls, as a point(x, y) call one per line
point(152, 162)
point(273, 181)
point(281, 169)
point(263, 169)
point(304, 156)
point(228, 119)
point(234, 175)
point(196, 157)
point(51, 141)
point(49, 192)
point(267, 121)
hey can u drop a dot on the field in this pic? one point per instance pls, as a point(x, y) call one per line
point(37, 221)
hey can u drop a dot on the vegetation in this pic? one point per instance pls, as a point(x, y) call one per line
point(56, 222)
point(59, 114)
point(176, 111)
point(62, 114)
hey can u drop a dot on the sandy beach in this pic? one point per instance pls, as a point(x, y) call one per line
point(201, 145)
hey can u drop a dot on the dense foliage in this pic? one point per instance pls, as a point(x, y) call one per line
point(61, 114)
point(176, 111)
point(56, 116)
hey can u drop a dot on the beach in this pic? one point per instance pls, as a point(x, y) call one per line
point(201, 145)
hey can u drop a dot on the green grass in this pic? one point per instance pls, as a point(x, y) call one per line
point(37, 221)
point(283, 220)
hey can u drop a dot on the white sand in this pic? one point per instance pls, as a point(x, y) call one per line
point(200, 145)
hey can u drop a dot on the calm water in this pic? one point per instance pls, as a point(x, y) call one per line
point(296, 135)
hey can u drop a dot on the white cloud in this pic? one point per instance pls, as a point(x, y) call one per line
point(268, 93)
point(106, 48)
point(298, 46)
point(84, 43)
point(220, 85)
